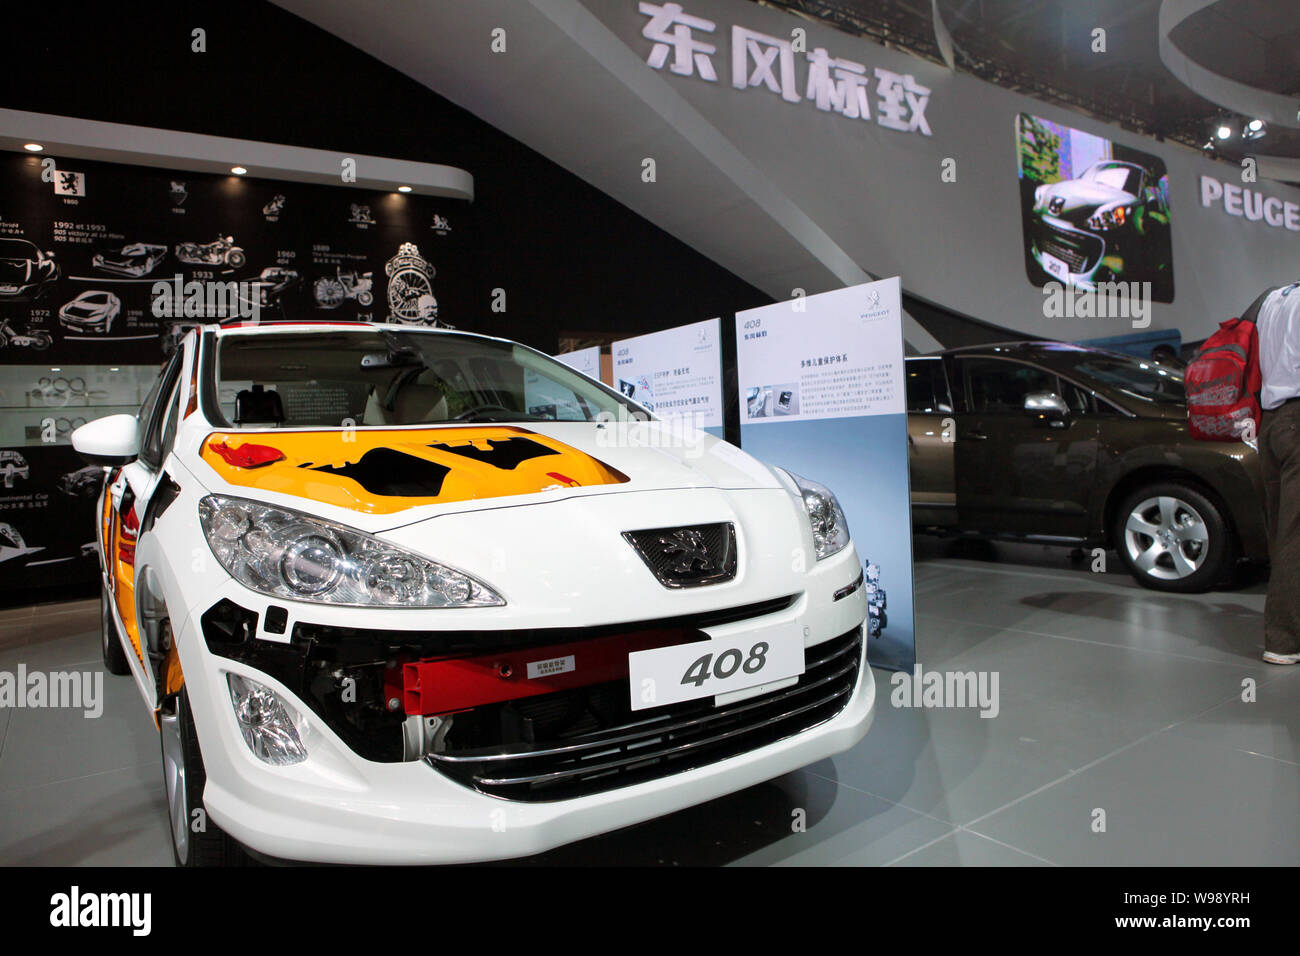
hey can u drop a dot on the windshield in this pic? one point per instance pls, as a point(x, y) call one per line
point(1117, 177)
point(338, 379)
point(1144, 381)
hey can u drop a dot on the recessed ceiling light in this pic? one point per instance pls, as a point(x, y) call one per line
point(1256, 125)
point(1224, 132)
point(403, 189)
point(238, 170)
point(33, 147)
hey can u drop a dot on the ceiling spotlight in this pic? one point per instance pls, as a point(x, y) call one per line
point(33, 147)
point(238, 170)
point(1254, 129)
point(1224, 132)
point(403, 189)
point(1256, 125)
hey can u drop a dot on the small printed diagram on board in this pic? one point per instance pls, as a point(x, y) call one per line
point(221, 252)
point(133, 260)
point(26, 271)
point(93, 311)
point(11, 338)
point(12, 544)
point(330, 292)
point(13, 466)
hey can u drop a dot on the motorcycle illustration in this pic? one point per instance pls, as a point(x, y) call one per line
point(332, 291)
point(39, 340)
point(221, 251)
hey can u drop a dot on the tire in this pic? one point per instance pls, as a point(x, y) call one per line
point(1173, 537)
point(183, 782)
point(364, 299)
point(235, 258)
point(110, 641)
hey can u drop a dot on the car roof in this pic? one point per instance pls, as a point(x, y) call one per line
point(245, 327)
point(1021, 347)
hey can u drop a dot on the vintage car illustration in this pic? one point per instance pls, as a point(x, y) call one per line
point(25, 271)
point(92, 311)
point(12, 544)
point(13, 465)
point(134, 259)
point(1110, 223)
point(377, 605)
point(272, 282)
point(82, 483)
point(331, 292)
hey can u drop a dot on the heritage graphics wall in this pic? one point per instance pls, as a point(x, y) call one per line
point(976, 196)
point(103, 266)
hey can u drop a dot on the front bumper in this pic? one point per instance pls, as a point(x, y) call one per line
point(339, 807)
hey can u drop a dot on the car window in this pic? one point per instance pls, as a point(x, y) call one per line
point(150, 420)
point(387, 377)
point(927, 387)
point(999, 386)
point(150, 403)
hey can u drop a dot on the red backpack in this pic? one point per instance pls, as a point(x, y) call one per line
point(1223, 381)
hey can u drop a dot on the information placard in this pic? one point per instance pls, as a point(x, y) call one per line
point(822, 395)
point(586, 361)
point(676, 373)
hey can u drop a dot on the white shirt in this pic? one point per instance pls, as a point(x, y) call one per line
point(1279, 346)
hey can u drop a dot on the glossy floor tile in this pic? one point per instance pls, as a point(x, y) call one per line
point(1130, 728)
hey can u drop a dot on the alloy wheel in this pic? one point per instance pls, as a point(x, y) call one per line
point(1166, 538)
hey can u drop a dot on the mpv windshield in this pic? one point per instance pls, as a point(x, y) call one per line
point(343, 378)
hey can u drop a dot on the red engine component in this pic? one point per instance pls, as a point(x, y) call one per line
point(450, 684)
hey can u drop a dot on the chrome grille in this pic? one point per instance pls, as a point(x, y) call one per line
point(645, 745)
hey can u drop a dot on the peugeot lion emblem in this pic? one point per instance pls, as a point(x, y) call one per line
point(686, 549)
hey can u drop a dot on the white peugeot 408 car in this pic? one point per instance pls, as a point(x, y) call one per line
point(418, 596)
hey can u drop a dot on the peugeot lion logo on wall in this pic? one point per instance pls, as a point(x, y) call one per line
point(686, 549)
point(410, 287)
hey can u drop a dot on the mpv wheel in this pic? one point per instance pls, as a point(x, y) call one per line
point(1172, 537)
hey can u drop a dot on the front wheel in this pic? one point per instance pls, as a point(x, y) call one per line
point(196, 840)
point(1173, 537)
point(235, 258)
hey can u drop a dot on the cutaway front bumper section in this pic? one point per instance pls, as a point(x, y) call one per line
point(417, 741)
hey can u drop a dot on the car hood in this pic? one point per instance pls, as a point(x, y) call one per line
point(1079, 195)
point(379, 478)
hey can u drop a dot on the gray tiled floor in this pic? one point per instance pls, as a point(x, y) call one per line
point(1112, 699)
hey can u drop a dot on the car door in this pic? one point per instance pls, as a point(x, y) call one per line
point(1022, 472)
point(931, 437)
point(127, 498)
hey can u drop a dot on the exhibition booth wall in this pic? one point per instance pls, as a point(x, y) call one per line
point(811, 168)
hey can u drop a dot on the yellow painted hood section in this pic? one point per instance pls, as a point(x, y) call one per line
point(390, 470)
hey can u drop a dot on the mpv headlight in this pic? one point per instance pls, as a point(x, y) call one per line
point(829, 529)
point(290, 555)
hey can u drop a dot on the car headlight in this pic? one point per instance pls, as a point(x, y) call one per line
point(290, 555)
point(1110, 218)
point(829, 529)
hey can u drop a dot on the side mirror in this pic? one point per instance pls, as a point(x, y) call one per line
point(108, 441)
point(1048, 407)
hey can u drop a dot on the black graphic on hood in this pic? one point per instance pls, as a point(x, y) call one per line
point(505, 453)
point(382, 471)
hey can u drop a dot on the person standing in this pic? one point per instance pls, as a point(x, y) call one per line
point(1279, 451)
